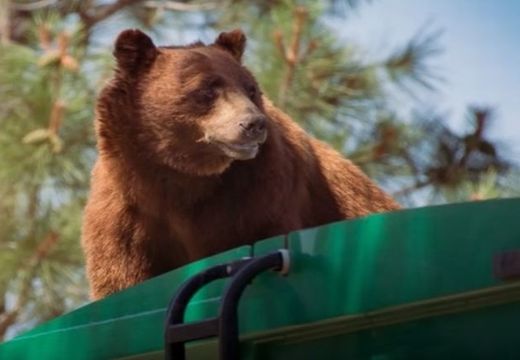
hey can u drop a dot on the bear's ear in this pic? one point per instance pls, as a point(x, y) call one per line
point(134, 50)
point(233, 42)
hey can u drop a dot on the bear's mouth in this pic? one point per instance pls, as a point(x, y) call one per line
point(237, 151)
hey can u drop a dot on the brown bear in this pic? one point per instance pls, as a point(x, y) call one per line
point(194, 160)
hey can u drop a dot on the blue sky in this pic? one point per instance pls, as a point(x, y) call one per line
point(480, 61)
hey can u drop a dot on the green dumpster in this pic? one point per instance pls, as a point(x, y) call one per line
point(429, 283)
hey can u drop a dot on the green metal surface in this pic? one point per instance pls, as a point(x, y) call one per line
point(410, 284)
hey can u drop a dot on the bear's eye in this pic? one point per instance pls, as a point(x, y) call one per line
point(208, 91)
point(252, 92)
point(207, 95)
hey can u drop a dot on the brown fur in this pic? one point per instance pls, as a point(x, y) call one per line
point(164, 194)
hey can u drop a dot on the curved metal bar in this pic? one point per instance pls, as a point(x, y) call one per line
point(179, 303)
point(228, 326)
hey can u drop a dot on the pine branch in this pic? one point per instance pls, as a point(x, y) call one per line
point(9, 317)
point(407, 190)
point(474, 140)
point(36, 5)
point(181, 6)
point(5, 26)
point(291, 55)
point(408, 65)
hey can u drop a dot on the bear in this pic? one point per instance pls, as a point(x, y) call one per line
point(193, 160)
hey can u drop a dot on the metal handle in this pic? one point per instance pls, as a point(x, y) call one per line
point(225, 326)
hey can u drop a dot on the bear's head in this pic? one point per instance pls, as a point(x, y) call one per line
point(193, 108)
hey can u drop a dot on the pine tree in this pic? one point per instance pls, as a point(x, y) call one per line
point(46, 141)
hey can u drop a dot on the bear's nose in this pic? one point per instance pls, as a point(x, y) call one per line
point(254, 126)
